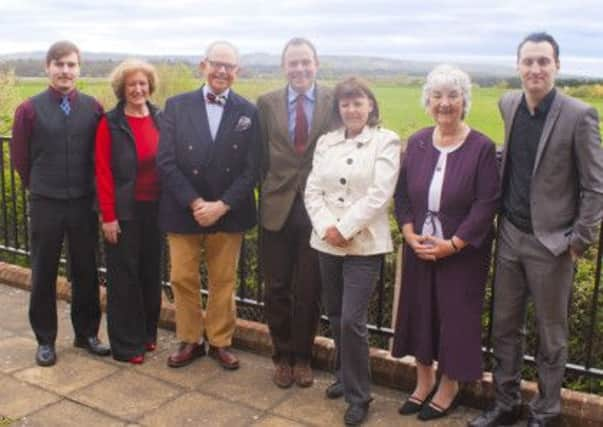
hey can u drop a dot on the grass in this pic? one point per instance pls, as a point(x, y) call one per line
point(400, 106)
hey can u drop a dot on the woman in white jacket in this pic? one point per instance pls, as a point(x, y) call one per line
point(354, 174)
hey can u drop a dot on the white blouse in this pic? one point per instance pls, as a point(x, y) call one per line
point(432, 225)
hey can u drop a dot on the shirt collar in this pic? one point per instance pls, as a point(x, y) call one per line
point(363, 137)
point(206, 90)
point(543, 107)
point(292, 94)
point(58, 96)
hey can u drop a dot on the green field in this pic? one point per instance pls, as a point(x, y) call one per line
point(400, 106)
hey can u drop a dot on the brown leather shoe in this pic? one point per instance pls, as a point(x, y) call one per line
point(185, 354)
point(302, 373)
point(224, 357)
point(283, 375)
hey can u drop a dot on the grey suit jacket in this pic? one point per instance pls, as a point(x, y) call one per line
point(284, 173)
point(566, 195)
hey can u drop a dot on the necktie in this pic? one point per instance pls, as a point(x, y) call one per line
point(216, 99)
point(300, 137)
point(65, 106)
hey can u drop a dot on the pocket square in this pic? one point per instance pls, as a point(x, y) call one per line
point(243, 124)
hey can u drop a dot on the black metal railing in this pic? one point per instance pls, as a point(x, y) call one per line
point(588, 336)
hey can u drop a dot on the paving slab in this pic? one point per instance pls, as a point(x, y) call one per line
point(18, 398)
point(274, 421)
point(308, 406)
point(17, 353)
point(197, 409)
point(69, 414)
point(73, 372)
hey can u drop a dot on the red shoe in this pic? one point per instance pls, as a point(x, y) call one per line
point(136, 360)
point(150, 346)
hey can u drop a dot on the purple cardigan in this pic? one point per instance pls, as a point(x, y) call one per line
point(470, 193)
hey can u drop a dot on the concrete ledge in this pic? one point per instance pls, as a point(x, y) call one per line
point(578, 409)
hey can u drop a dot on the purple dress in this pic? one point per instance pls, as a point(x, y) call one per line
point(439, 314)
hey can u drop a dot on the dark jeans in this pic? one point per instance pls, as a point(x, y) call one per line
point(134, 283)
point(292, 277)
point(51, 220)
point(348, 282)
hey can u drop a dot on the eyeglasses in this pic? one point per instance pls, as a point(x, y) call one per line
point(218, 65)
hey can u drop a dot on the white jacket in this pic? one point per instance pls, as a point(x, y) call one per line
point(350, 186)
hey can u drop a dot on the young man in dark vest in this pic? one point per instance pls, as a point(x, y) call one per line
point(52, 149)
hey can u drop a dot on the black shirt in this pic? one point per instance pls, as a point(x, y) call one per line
point(523, 145)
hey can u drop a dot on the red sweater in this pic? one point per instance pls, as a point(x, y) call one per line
point(146, 138)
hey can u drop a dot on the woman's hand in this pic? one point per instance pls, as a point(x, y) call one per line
point(418, 244)
point(435, 248)
point(111, 231)
point(334, 238)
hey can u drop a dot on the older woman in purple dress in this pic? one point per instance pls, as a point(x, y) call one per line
point(446, 199)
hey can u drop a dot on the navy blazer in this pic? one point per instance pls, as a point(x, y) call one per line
point(191, 165)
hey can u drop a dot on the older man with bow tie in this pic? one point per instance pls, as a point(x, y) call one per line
point(208, 162)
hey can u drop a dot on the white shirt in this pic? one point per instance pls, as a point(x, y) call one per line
point(432, 225)
point(350, 186)
point(214, 111)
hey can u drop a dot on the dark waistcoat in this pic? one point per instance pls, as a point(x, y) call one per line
point(62, 147)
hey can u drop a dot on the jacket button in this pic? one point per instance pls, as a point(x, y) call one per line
point(227, 169)
point(342, 181)
point(190, 147)
point(195, 172)
point(340, 199)
point(349, 161)
point(235, 147)
point(359, 145)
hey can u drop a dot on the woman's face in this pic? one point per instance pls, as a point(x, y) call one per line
point(355, 113)
point(136, 88)
point(445, 105)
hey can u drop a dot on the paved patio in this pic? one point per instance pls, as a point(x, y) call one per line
point(82, 390)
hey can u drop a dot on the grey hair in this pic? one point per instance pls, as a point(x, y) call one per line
point(217, 43)
point(445, 75)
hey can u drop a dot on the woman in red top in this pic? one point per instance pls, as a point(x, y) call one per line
point(128, 192)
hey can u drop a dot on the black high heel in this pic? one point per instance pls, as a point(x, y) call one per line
point(433, 411)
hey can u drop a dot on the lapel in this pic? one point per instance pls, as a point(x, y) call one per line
point(509, 113)
point(229, 115)
point(322, 108)
point(198, 118)
point(281, 111)
point(551, 119)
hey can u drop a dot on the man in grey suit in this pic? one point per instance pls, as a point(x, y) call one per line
point(291, 120)
point(552, 203)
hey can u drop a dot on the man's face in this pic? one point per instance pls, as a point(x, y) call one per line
point(537, 67)
point(63, 72)
point(220, 68)
point(300, 67)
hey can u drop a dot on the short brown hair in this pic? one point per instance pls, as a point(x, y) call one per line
point(60, 49)
point(355, 87)
point(299, 41)
point(123, 70)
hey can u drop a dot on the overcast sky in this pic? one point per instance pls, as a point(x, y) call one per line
point(459, 30)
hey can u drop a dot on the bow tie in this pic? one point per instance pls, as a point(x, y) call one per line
point(215, 99)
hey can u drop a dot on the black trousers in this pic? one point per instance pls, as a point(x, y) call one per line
point(51, 220)
point(134, 283)
point(292, 278)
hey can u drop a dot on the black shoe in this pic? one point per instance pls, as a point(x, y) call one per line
point(497, 416)
point(45, 355)
point(543, 422)
point(414, 405)
point(433, 411)
point(335, 390)
point(93, 345)
point(356, 414)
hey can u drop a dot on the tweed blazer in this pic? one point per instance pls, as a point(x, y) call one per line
point(566, 195)
point(283, 171)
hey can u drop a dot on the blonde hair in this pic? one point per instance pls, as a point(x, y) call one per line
point(123, 70)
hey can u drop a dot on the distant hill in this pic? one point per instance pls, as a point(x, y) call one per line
point(99, 64)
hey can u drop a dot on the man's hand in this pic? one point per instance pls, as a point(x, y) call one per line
point(334, 238)
point(111, 231)
point(208, 213)
point(574, 254)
